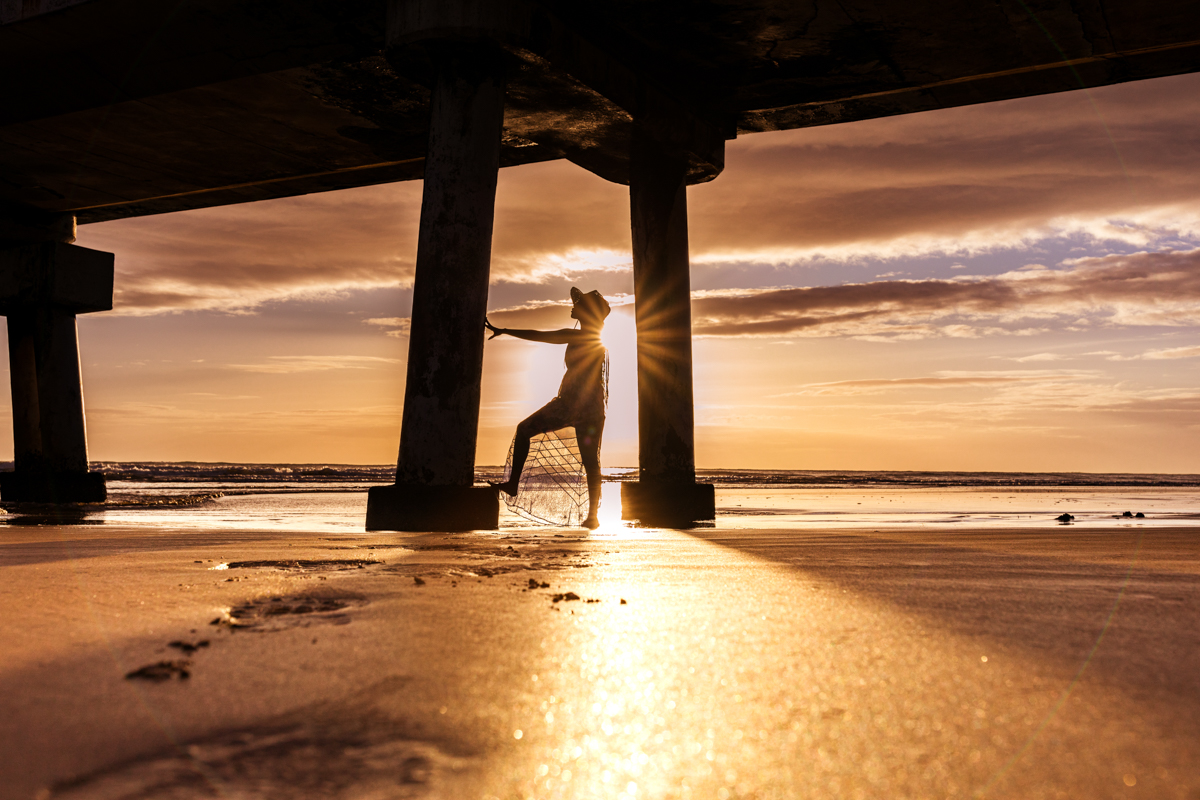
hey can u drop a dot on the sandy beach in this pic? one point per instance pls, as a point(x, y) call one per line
point(724, 662)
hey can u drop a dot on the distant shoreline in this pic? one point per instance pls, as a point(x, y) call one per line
point(303, 474)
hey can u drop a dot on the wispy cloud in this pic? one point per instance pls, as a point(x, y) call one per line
point(286, 364)
point(541, 265)
point(1153, 355)
point(942, 380)
point(1173, 352)
point(396, 326)
point(1039, 357)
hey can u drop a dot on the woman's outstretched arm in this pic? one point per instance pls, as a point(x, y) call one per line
point(561, 336)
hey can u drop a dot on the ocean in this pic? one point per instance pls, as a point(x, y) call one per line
point(333, 497)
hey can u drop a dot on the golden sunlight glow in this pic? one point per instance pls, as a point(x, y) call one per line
point(544, 369)
point(537, 372)
point(620, 427)
point(619, 332)
point(609, 514)
point(578, 260)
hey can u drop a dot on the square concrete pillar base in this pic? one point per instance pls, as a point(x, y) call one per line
point(52, 487)
point(412, 507)
point(675, 505)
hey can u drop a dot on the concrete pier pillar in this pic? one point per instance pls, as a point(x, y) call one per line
point(42, 288)
point(436, 467)
point(666, 492)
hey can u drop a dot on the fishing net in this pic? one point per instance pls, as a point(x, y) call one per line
point(553, 486)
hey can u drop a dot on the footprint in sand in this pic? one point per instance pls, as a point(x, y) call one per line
point(340, 758)
point(281, 612)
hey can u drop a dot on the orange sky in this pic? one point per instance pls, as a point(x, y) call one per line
point(1005, 287)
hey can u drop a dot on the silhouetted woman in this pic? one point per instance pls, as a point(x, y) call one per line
point(581, 396)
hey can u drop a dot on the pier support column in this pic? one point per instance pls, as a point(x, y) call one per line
point(666, 492)
point(436, 468)
point(42, 288)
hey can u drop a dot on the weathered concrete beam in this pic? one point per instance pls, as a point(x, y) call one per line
point(698, 139)
point(445, 352)
point(1060, 75)
point(97, 53)
point(63, 275)
point(666, 491)
point(597, 97)
point(20, 225)
point(16, 10)
point(42, 287)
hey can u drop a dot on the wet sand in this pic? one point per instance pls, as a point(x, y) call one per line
point(717, 663)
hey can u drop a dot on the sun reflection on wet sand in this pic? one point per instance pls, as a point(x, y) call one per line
point(603, 721)
point(726, 674)
point(609, 514)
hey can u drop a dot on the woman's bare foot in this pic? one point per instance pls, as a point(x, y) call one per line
point(508, 487)
point(591, 523)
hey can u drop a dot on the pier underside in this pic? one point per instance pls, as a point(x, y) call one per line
point(125, 108)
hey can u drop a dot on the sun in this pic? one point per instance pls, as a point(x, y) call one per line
point(619, 332)
point(620, 427)
point(620, 335)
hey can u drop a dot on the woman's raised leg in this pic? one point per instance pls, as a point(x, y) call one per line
point(520, 453)
point(546, 418)
point(588, 436)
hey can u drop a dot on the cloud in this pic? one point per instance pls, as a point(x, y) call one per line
point(543, 265)
point(278, 365)
point(1113, 164)
point(1040, 357)
point(1142, 289)
point(1153, 355)
point(235, 258)
point(397, 326)
point(1174, 352)
point(217, 396)
point(1014, 400)
point(942, 380)
point(1035, 401)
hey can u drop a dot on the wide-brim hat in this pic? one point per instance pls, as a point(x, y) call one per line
point(593, 301)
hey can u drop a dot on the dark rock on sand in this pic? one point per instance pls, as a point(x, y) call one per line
point(1065, 517)
point(306, 565)
point(162, 671)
